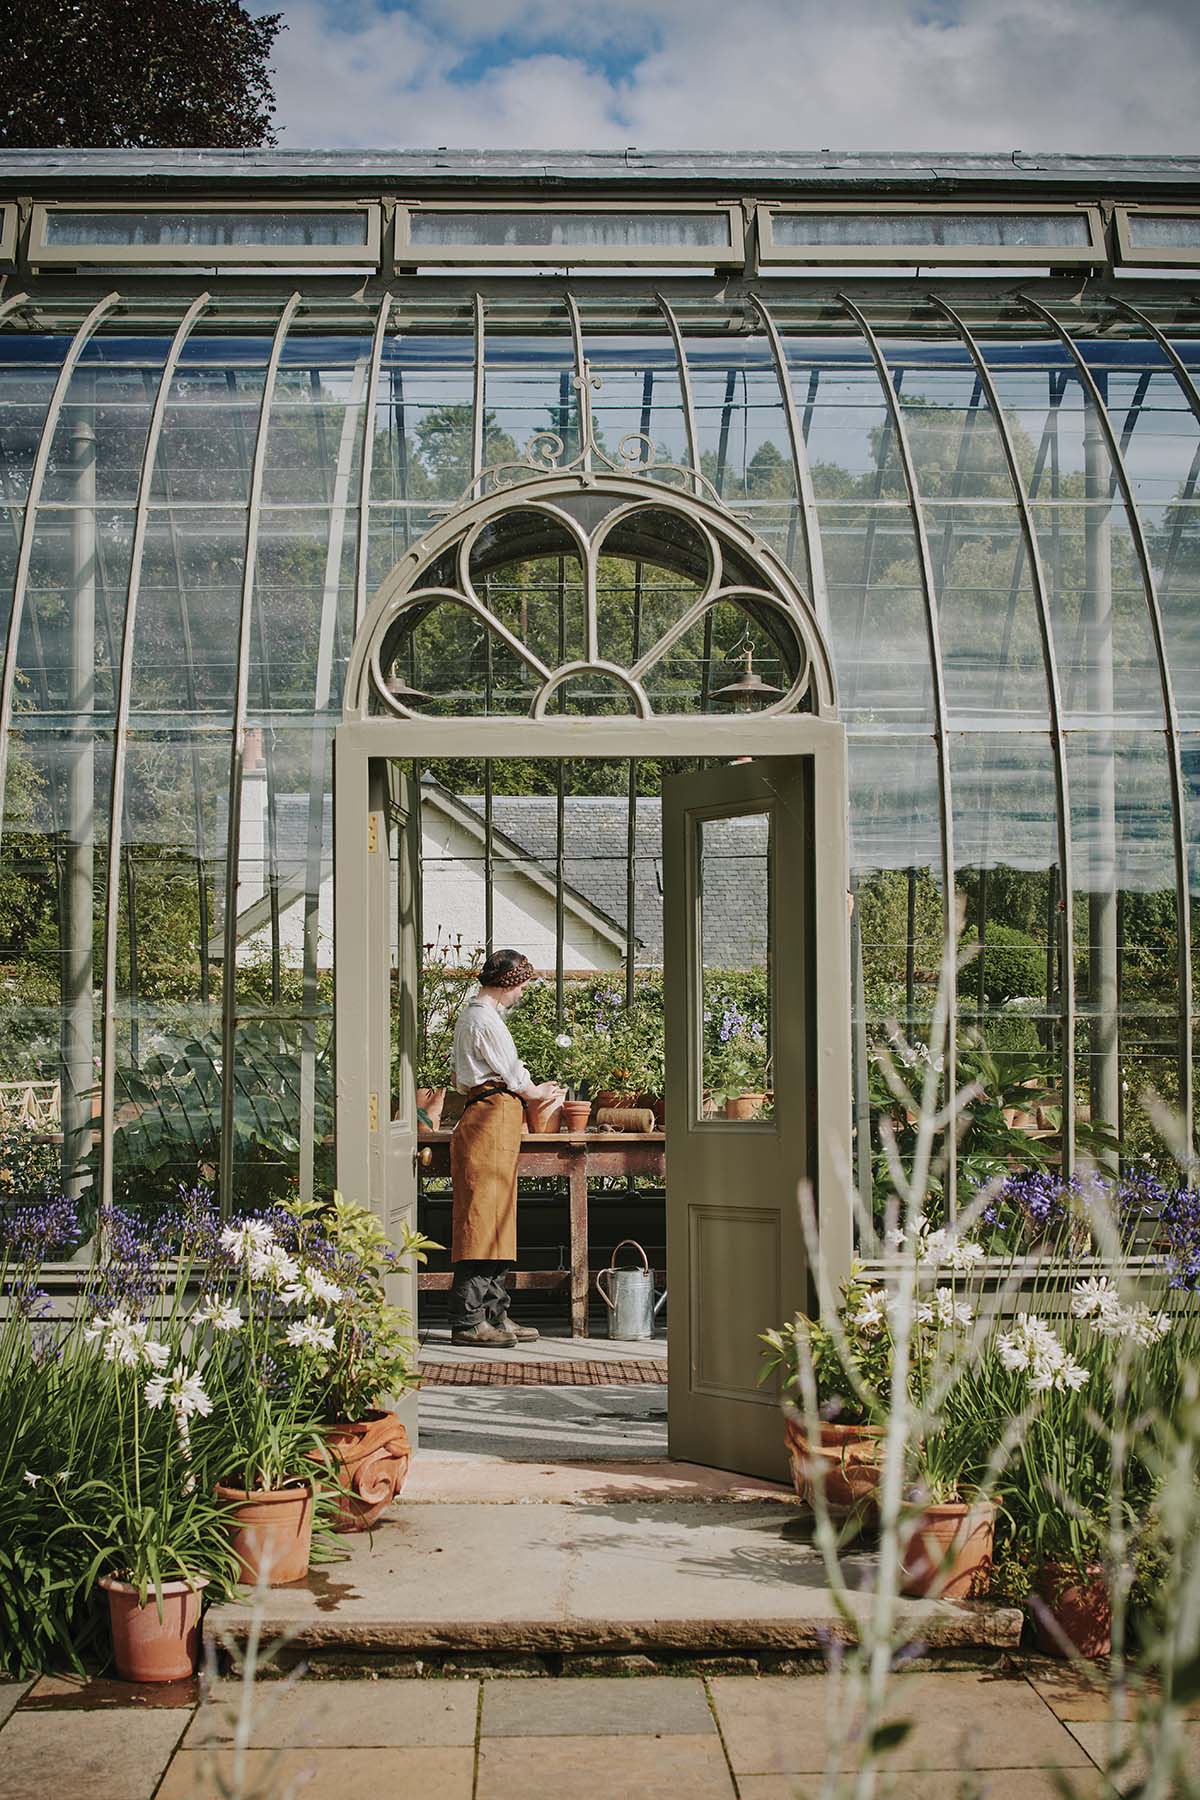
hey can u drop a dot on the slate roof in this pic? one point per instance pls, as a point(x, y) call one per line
point(595, 841)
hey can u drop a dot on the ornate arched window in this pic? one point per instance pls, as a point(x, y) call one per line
point(588, 592)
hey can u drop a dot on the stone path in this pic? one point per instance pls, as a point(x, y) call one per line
point(542, 1372)
point(995, 1736)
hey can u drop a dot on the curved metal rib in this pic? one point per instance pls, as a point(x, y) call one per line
point(29, 525)
point(941, 734)
point(368, 461)
point(800, 464)
point(685, 389)
point(1058, 738)
point(1170, 712)
point(236, 754)
point(112, 898)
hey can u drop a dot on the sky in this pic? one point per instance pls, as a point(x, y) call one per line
point(1092, 76)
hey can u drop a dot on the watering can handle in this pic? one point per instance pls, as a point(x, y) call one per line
point(634, 1245)
point(603, 1291)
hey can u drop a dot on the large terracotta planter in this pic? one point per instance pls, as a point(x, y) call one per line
point(949, 1554)
point(1080, 1606)
point(543, 1116)
point(575, 1115)
point(430, 1101)
point(370, 1459)
point(145, 1647)
point(744, 1106)
point(271, 1532)
point(845, 1464)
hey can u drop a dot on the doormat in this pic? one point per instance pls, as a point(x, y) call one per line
point(543, 1373)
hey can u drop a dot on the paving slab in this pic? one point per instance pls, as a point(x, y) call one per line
point(101, 1755)
point(321, 1714)
point(453, 1476)
point(696, 1576)
point(544, 1424)
point(10, 1693)
point(779, 1725)
point(987, 1784)
point(597, 1768)
point(1092, 1736)
point(432, 1773)
point(599, 1707)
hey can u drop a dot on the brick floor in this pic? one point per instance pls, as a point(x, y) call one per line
point(576, 1373)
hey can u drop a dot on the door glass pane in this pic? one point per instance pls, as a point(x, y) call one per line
point(733, 865)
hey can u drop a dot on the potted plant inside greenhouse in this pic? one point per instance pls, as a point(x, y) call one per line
point(448, 974)
point(736, 1059)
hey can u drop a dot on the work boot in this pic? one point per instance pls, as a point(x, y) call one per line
point(484, 1336)
point(524, 1334)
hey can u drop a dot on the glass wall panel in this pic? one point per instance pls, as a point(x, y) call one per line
point(992, 661)
point(421, 452)
point(877, 617)
point(1126, 927)
point(1010, 994)
point(639, 396)
point(742, 434)
point(186, 630)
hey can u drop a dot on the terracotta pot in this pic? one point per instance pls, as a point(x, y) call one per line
point(744, 1106)
point(371, 1459)
point(575, 1115)
point(271, 1531)
point(949, 1554)
point(610, 1097)
point(431, 1101)
point(147, 1648)
point(543, 1116)
point(1080, 1605)
point(657, 1106)
point(845, 1463)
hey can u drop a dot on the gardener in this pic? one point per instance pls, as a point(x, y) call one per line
point(484, 1150)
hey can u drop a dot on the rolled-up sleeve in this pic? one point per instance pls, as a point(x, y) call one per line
point(508, 1063)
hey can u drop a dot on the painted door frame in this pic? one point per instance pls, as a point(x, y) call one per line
point(363, 749)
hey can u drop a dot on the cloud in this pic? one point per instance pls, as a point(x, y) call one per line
point(1094, 76)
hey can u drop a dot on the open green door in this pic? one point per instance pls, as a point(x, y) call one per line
point(735, 1248)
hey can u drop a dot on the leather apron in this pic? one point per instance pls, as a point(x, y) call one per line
point(485, 1147)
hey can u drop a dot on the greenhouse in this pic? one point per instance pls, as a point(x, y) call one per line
point(574, 481)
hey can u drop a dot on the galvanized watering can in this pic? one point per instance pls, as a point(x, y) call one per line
point(632, 1308)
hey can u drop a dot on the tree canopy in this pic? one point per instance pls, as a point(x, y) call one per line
point(132, 74)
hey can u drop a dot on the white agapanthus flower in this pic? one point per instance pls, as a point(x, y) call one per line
point(252, 1235)
point(181, 1390)
point(218, 1313)
point(1033, 1348)
point(31, 1480)
point(272, 1264)
point(563, 1040)
point(1146, 1326)
point(949, 1311)
point(312, 1288)
point(309, 1334)
point(1096, 1299)
point(125, 1341)
point(872, 1311)
point(936, 1249)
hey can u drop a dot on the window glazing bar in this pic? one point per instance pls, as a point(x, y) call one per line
point(29, 524)
point(116, 809)
point(478, 415)
point(368, 461)
point(1170, 711)
point(1064, 923)
point(237, 757)
point(941, 735)
point(803, 473)
point(685, 389)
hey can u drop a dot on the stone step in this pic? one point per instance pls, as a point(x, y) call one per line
point(618, 1578)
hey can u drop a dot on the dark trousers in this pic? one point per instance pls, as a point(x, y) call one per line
point(478, 1294)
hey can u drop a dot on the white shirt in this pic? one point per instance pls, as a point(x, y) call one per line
point(484, 1048)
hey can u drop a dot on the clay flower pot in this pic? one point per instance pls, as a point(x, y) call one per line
point(845, 1463)
point(370, 1458)
point(575, 1115)
point(543, 1116)
point(271, 1531)
point(431, 1101)
point(145, 1647)
point(744, 1106)
point(1080, 1605)
point(949, 1555)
